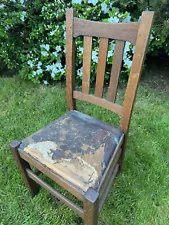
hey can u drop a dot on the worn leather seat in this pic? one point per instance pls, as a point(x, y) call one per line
point(76, 146)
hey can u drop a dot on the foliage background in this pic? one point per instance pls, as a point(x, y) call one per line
point(32, 34)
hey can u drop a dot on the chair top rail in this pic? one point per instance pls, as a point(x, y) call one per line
point(120, 31)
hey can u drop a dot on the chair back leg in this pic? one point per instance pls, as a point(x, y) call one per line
point(23, 165)
point(121, 159)
point(91, 207)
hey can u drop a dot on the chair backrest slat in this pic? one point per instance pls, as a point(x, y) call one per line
point(115, 72)
point(86, 64)
point(120, 31)
point(103, 47)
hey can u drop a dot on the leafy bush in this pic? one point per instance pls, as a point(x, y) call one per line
point(32, 34)
point(32, 37)
point(160, 35)
point(159, 40)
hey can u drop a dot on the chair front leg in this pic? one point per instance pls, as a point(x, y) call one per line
point(23, 165)
point(91, 207)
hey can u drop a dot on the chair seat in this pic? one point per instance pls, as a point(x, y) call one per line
point(76, 146)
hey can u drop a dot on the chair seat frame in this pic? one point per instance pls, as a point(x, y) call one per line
point(93, 200)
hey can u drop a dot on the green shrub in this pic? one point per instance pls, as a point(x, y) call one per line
point(160, 35)
point(159, 40)
point(32, 35)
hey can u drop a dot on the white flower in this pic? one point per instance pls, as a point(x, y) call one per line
point(22, 2)
point(151, 37)
point(110, 53)
point(39, 65)
point(34, 73)
point(111, 3)
point(44, 53)
point(2, 6)
point(76, 1)
point(79, 72)
point(112, 45)
point(80, 49)
point(23, 14)
point(94, 56)
point(55, 54)
point(127, 19)
point(93, 2)
point(45, 46)
point(62, 71)
point(104, 7)
point(58, 65)
point(55, 68)
point(39, 71)
point(54, 31)
point(30, 63)
point(58, 48)
point(43, 9)
point(133, 49)
point(45, 82)
point(48, 67)
point(125, 56)
point(126, 49)
point(113, 20)
point(7, 27)
point(53, 74)
point(64, 26)
point(128, 62)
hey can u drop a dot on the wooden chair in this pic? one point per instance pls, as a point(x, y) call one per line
point(78, 152)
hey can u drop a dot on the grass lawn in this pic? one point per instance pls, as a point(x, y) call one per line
point(141, 193)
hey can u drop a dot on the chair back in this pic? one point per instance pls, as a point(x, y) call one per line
point(137, 33)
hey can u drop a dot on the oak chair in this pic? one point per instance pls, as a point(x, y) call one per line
point(77, 151)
